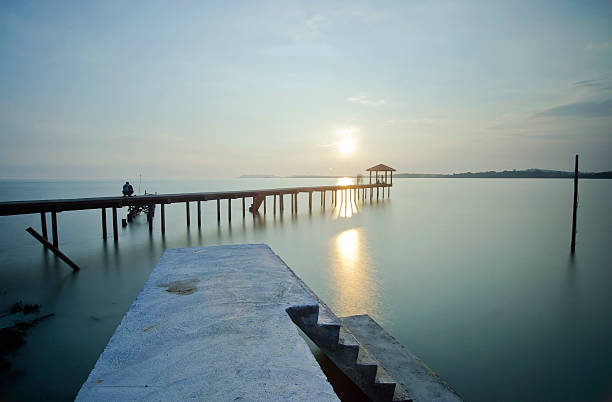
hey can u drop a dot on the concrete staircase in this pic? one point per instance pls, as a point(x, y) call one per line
point(375, 361)
point(341, 346)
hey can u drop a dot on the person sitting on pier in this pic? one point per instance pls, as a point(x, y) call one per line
point(128, 190)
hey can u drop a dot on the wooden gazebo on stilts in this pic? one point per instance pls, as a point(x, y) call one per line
point(383, 179)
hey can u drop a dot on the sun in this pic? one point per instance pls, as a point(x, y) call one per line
point(346, 146)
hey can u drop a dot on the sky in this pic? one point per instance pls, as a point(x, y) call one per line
point(180, 89)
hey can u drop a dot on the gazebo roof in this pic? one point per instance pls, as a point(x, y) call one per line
point(380, 167)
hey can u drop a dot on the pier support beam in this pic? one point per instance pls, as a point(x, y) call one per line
point(310, 201)
point(43, 224)
point(163, 218)
point(115, 230)
point(274, 207)
point(104, 234)
point(53, 248)
point(264, 202)
point(218, 211)
point(187, 213)
point(229, 210)
point(257, 201)
point(199, 214)
point(54, 228)
point(281, 202)
point(296, 202)
point(243, 208)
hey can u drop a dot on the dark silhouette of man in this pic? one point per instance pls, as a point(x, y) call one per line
point(128, 190)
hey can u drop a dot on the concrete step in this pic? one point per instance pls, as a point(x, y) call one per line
point(341, 346)
point(415, 381)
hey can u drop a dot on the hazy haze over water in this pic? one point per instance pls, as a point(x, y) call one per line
point(472, 275)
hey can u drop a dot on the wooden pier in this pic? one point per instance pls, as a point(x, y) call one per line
point(258, 197)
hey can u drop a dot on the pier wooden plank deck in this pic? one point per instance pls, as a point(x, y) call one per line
point(75, 204)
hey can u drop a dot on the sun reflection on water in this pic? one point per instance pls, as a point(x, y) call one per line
point(356, 288)
point(346, 204)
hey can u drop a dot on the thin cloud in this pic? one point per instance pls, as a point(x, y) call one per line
point(583, 109)
point(604, 84)
point(365, 100)
point(599, 46)
point(314, 24)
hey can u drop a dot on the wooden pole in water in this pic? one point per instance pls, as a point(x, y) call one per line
point(43, 224)
point(54, 228)
point(573, 245)
point(163, 218)
point(104, 234)
point(229, 210)
point(295, 201)
point(199, 214)
point(310, 201)
point(265, 204)
point(55, 250)
point(187, 213)
point(281, 203)
point(115, 231)
point(243, 210)
point(274, 207)
point(218, 210)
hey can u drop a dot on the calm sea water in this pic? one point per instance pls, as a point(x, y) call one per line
point(472, 275)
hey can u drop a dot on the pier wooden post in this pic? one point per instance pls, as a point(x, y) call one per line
point(104, 234)
point(199, 214)
point(243, 213)
point(264, 202)
point(43, 224)
point(274, 208)
point(229, 210)
point(310, 201)
point(575, 206)
point(150, 219)
point(218, 210)
point(377, 191)
point(371, 192)
point(187, 213)
point(280, 200)
point(115, 231)
point(296, 204)
point(163, 218)
point(54, 228)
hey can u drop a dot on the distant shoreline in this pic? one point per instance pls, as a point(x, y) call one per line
point(506, 174)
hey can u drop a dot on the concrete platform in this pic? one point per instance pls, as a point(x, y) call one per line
point(211, 324)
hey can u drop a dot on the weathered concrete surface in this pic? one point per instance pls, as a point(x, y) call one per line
point(211, 324)
point(421, 383)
